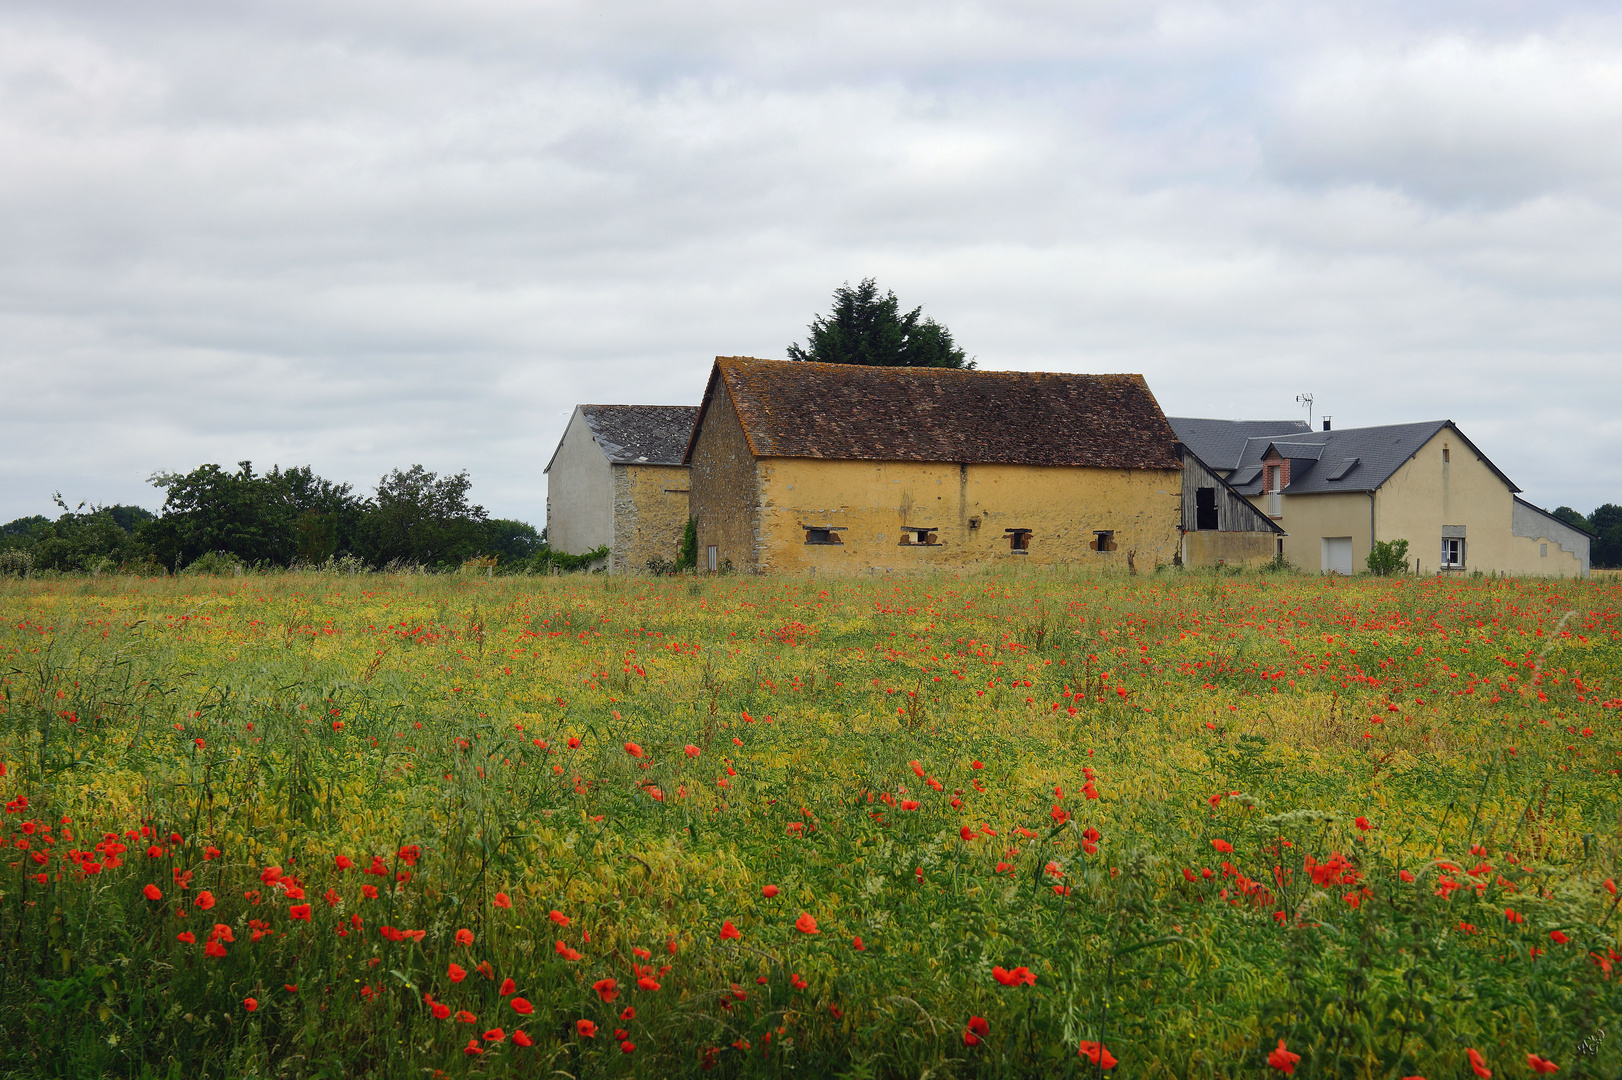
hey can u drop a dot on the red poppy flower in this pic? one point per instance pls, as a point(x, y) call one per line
point(568, 953)
point(968, 833)
point(153, 892)
point(1015, 977)
point(250, 1004)
point(299, 912)
point(204, 900)
point(769, 891)
point(472, 1048)
point(495, 1035)
point(507, 987)
point(1362, 824)
point(441, 1011)
point(186, 936)
point(628, 1013)
point(607, 989)
point(979, 1025)
point(465, 1017)
point(344, 862)
point(857, 945)
point(502, 900)
point(691, 750)
point(456, 973)
point(805, 924)
point(908, 804)
point(1098, 1054)
point(1478, 1064)
point(559, 917)
point(1282, 1060)
point(586, 1028)
point(520, 1039)
point(729, 931)
point(627, 1047)
point(574, 742)
point(1540, 1065)
point(290, 988)
point(646, 983)
point(522, 1007)
point(633, 749)
point(213, 948)
point(1558, 938)
point(976, 765)
point(1222, 846)
point(464, 937)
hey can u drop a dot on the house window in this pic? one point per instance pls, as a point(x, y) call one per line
point(1103, 540)
point(822, 534)
point(1543, 551)
point(1447, 455)
point(1018, 539)
point(1452, 551)
point(919, 536)
point(710, 557)
point(1205, 509)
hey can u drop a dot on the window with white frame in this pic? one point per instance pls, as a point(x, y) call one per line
point(1452, 551)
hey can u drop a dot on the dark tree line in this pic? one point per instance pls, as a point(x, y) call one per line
point(1605, 551)
point(277, 519)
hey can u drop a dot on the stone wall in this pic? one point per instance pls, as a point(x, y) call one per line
point(724, 487)
point(650, 514)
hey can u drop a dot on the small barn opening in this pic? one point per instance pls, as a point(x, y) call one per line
point(822, 534)
point(1018, 539)
point(1103, 540)
point(919, 536)
point(1205, 509)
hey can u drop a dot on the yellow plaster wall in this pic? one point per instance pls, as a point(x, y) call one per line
point(1309, 518)
point(650, 514)
point(724, 487)
point(1207, 547)
point(1428, 492)
point(969, 506)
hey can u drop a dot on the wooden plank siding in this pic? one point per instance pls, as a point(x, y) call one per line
point(1235, 513)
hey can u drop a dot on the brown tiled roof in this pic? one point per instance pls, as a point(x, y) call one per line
point(854, 413)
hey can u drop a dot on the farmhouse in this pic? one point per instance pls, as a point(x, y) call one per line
point(1334, 492)
point(617, 480)
point(805, 467)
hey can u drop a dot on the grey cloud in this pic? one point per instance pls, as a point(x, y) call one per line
point(360, 235)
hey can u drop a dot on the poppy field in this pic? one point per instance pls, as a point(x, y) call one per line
point(1028, 824)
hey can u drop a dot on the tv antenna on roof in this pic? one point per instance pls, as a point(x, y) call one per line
point(1305, 398)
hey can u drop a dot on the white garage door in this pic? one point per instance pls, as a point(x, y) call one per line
point(1337, 555)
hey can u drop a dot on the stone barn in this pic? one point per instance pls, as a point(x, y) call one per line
point(842, 469)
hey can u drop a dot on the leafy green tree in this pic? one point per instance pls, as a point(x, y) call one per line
point(866, 328)
point(1388, 557)
point(514, 541)
point(325, 514)
point(421, 517)
point(210, 509)
point(274, 519)
point(79, 539)
point(1607, 522)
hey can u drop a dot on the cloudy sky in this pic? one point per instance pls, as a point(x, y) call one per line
point(360, 234)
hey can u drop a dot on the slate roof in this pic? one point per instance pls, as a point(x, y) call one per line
point(1221, 443)
point(639, 434)
point(854, 413)
point(1322, 461)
